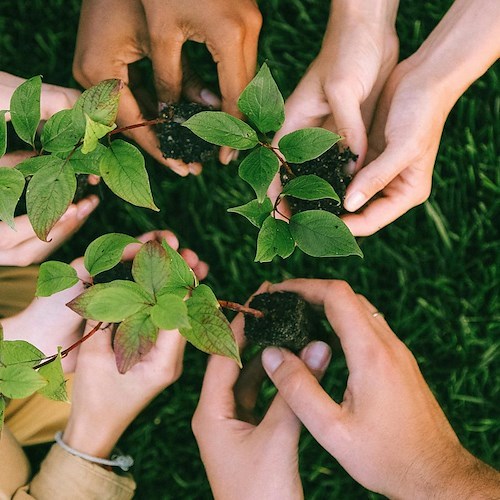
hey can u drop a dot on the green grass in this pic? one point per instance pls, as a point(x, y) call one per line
point(433, 272)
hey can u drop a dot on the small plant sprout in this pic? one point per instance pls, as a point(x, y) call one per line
point(162, 294)
point(70, 144)
point(315, 232)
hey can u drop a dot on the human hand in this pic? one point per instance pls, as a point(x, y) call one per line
point(243, 458)
point(341, 87)
point(105, 402)
point(157, 30)
point(21, 246)
point(389, 432)
point(410, 116)
point(53, 97)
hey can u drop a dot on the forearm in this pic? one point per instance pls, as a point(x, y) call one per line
point(8, 83)
point(461, 48)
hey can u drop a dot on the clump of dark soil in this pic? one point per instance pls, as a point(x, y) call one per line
point(122, 271)
point(289, 321)
point(330, 166)
point(83, 189)
point(179, 142)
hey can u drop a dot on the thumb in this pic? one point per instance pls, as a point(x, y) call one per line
point(297, 383)
point(373, 178)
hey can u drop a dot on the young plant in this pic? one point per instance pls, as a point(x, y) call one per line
point(315, 232)
point(164, 294)
point(24, 372)
point(70, 145)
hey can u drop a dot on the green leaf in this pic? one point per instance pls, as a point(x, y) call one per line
point(11, 188)
point(3, 133)
point(93, 132)
point(2, 412)
point(111, 302)
point(32, 165)
point(309, 187)
point(151, 267)
point(20, 352)
point(87, 163)
point(100, 102)
point(59, 134)
point(54, 375)
point(259, 169)
point(205, 293)
point(181, 275)
point(322, 234)
point(53, 277)
point(50, 192)
point(19, 381)
point(274, 239)
point(254, 211)
point(106, 251)
point(122, 168)
point(170, 312)
point(25, 109)
point(134, 338)
point(306, 144)
point(262, 102)
point(222, 129)
point(210, 331)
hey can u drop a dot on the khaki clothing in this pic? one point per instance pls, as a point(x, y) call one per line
point(35, 420)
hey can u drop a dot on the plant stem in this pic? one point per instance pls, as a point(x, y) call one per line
point(70, 348)
point(147, 123)
point(281, 159)
point(233, 306)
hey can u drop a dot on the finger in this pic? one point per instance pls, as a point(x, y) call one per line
point(14, 158)
point(129, 113)
point(194, 89)
point(100, 341)
point(172, 344)
point(374, 177)
point(300, 389)
point(346, 111)
point(201, 270)
point(378, 214)
point(247, 388)
point(190, 257)
point(217, 395)
point(157, 235)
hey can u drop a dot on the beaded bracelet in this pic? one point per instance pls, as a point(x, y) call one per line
point(122, 461)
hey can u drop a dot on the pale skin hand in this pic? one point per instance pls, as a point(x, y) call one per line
point(157, 30)
point(409, 120)
point(389, 432)
point(53, 97)
point(341, 87)
point(105, 402)
point(245, 459)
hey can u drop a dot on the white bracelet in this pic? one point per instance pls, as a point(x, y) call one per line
point(122, 461)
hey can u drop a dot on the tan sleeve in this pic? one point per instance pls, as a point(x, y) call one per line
point(64, 476)
point(14, 466)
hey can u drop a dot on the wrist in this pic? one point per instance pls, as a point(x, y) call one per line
point(92, 439)
point(381, 14)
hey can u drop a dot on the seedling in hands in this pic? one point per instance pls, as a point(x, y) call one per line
point(315, 232)
point(164, 294)
point(70, 145)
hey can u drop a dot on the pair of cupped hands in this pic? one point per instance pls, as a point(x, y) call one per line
point(388, 432)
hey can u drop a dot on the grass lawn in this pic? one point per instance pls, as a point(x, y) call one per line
point(433, 272)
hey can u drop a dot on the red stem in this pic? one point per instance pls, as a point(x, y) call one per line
point(147, 123)
point(70, 348)
point(233, 306)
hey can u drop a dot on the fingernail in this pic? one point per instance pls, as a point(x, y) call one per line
point(354, 201)
point(209, 98)
point(317, 355)
point(350, 168)
point(272, 357)
point(85, 207)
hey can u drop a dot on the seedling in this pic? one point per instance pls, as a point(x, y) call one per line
point(70, 145)
point(316, 232)
point(162, 294)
